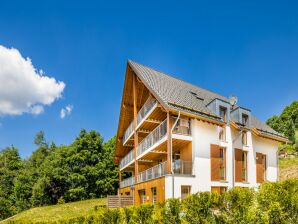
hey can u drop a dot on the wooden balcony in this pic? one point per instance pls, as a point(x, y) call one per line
point(180, 167)
point(149, 106)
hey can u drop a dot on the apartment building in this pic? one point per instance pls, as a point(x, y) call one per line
point(175, 139)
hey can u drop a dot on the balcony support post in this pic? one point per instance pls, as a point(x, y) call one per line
point(169, 142)
point(135, 126)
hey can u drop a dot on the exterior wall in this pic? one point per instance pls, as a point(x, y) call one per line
point(203, 135)
point(269, 148)
point(159, 183)
point(125, 191)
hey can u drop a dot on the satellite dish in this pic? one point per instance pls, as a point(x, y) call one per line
point(233, 100)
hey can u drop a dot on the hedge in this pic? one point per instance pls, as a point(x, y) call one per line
point(271, 203)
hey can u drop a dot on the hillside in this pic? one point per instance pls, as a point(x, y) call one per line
point(288, 168)
point(54, 213)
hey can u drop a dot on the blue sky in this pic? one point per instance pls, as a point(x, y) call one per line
point(247, 48)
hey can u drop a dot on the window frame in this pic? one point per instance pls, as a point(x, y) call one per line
point(222, 108)
point(188, 187)
point(223, 163)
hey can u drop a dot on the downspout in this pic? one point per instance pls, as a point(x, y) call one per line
point(171, 153)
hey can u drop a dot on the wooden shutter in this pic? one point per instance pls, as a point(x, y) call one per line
point(215, 162)
point(238, 165)
point(260, 167)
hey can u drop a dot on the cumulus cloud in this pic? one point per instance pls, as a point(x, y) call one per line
point(66, 111)
point(23, 89)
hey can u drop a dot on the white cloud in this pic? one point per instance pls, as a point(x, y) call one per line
point(23, 89)
point(66, 111)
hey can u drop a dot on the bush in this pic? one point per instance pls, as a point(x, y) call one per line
point(236, 204)
point(198, 208)
point(143, 214)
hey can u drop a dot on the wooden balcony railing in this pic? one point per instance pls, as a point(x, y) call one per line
point(143, 112)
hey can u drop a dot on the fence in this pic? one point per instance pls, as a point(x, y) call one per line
point(119, 201)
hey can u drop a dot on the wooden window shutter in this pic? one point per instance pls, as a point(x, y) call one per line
point(260, 167)
point(238, 165)
point(215, 162)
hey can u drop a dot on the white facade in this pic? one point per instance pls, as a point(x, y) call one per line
point(203, 135)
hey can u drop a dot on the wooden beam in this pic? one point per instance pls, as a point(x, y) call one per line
point(169, 159)
point(143, 131)
point(135, 126)
point(159, 152)
point(153, 121)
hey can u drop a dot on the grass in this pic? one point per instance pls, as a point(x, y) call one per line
point(288, 168)
point(51, 214)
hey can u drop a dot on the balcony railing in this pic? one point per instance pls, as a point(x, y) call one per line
point(182, 127)
point(158, 133)
point(127, 159)
point(153, 173)
point(143, 112)
point(127, 182)
point(179, 167)
point(182, 167)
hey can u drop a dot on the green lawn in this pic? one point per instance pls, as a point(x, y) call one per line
point(51, 214)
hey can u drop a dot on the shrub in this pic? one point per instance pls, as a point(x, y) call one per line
point(143, 214)
point(198, 208)
point(279, 198)
point(110, 216)
point(236, 204)
point(172, 211)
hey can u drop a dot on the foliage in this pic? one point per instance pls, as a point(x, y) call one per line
point(271, 203)
point(287, 122)
point(236, 204)
point(56, 174)
point(198, 208)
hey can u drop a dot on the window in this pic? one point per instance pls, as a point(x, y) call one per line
point(261, 166)
point(142, 195)
point(154, 195)
point(244, 166)
point(223, 113)
point(240, 165)
point(222, 133)
point(185, 191)
point(244, 137)
point(222, 159)
point(219, 190)
point(244, 119)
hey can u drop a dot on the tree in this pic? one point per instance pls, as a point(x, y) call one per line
point(287, 122)
point(10, 164)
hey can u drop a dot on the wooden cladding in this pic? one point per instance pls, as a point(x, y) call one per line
point(219, 190)
point(240, 165)
point(260, 167)
point(218, 163)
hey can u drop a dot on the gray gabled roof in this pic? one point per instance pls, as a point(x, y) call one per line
point(179, 95)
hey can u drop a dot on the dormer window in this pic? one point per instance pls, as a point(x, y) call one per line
point(223, 113)
point(244, 119)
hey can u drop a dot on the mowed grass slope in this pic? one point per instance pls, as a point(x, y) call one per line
point(54, 213)
point(288, 168)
